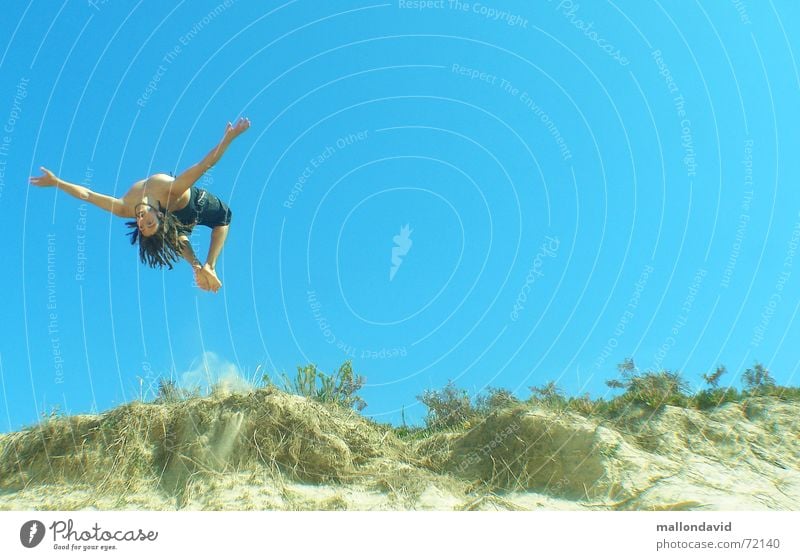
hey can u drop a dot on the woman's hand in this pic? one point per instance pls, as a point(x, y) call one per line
point(47, 179)
point(232, 131)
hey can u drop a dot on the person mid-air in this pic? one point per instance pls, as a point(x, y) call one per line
point(166, 210)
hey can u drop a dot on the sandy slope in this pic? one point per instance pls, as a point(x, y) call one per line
point(269, 450)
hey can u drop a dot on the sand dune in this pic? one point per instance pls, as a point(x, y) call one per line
point(270, 450)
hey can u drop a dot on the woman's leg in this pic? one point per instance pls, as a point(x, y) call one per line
point(197, 267)
point(218, 235)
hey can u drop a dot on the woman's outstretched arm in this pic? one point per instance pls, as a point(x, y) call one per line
point(114, 205)
point(189, 177)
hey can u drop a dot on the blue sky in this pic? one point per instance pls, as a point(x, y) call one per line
point(582, 182)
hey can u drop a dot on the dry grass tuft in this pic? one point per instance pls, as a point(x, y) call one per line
point(268, 449)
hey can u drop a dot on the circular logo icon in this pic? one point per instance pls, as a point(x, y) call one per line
point(31, 534)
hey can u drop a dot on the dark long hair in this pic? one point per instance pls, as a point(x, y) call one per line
point(165, 246)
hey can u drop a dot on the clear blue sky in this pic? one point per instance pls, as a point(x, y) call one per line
point(581, 181)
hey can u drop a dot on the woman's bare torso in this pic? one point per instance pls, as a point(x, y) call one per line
point(155, 189)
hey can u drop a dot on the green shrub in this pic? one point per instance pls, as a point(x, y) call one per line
point(494, 399)
point(651, 389)
point(789, 393)
point(758, 381)
point(657, 389)
point(549, 395)
point(713, 379)
point(339, 389)
point(585, 405)
point(412, 433)
point(710, 398)
point(448, 408)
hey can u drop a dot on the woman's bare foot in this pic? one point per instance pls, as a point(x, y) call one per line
point(210, 277)
point(201, 279)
